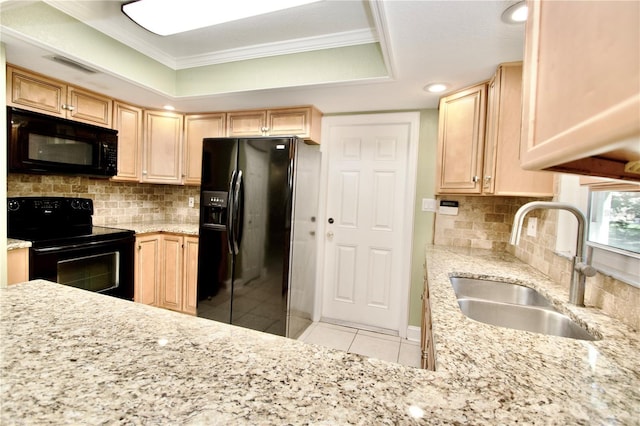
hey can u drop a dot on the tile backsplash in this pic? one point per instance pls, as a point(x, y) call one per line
point(114, 202)
point(485, 222)
point(481, 222)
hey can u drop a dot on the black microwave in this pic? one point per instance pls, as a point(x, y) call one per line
point(39, 143)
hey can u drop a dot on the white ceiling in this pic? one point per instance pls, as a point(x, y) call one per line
point(423, 41)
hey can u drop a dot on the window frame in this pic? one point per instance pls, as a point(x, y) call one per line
point(621, 264)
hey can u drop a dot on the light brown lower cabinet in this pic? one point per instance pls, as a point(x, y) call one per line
point(17, 265)
point(428, 359)
point(166, 268)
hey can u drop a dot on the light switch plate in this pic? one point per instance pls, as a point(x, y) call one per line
point(428, 205)
point(192, 201)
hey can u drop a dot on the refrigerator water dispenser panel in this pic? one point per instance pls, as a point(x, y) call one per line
point(215, 208)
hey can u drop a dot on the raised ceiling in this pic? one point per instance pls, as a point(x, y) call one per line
point(340, 55)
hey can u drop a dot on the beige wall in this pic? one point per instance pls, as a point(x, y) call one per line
point(3, 172)
point(423, 221)
point(485, 222)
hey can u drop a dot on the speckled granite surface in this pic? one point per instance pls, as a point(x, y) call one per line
point(72, 357)
point(138, 228)
point(145, 228)
point(16, 244)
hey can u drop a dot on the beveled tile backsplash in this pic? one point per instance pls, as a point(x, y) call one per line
point(114, 202)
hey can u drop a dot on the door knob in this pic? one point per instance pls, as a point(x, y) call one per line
point(329, 234)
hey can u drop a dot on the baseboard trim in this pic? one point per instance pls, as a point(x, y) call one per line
point(413, 333)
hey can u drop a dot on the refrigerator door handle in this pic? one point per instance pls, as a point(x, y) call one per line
point(230, 212)
point(236, 212)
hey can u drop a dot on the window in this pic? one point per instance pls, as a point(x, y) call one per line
point(615, 219)
point(614, 232)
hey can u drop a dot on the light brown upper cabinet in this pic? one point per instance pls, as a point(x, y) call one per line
point(478, 144)
point(303, 122)
point(196, 128)
point(502, 174)
point(461, 135)
point(35, 92)
point(581, 100)
point(162, 162)
point(127, 120)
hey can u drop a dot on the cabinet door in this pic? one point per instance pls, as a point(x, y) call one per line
point(147, 269)
point(246, 123)
point(88, 107)
point(17, 265)
point(162, 147)
point(35, 92)
point(289, 122)
point(190, 278)
point(491, 137)
point(461, 133)
point(502, 172)
point(127, 120)
point(196, 128)
point(171, 276)
point(581, 87)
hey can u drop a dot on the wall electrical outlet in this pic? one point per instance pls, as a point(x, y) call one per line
point(532, 226)
point(192, 201)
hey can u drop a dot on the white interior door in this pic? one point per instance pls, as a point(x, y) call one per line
point(368, 221)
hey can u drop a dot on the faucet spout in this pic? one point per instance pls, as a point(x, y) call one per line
point(580, 269)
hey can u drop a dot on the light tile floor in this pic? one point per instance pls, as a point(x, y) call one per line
point(374, 345)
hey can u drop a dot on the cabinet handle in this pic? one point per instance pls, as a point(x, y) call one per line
point(68, 107)
point(475, 179)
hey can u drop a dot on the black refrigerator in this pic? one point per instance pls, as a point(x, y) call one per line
point(256, 254)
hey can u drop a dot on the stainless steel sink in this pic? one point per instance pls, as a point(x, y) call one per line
point(520, 317)
point(497, 291)
point(513, 306)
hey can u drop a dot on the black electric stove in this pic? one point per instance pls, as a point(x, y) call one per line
point(68, 249)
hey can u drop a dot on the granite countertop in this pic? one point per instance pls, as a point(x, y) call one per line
point(13, 244)
point(138, 228)
point(69, 356)
point(151, 227)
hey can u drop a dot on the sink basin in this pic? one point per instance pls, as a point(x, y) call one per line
point(520, 317)
point(513, 306)
point(497, 291)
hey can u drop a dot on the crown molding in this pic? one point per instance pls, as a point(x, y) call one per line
point(307, 44)
point(382, 29)
point(82, 11)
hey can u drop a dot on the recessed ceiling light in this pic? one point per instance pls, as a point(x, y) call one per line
point(169, 107)
point(516, 13)
point(436, 87)
point(166, 17)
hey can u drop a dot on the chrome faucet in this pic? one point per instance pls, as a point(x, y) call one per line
point(581, 267)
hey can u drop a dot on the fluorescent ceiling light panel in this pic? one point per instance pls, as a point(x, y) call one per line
point(166, 17)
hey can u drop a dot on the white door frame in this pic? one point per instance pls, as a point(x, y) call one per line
point(412, 119)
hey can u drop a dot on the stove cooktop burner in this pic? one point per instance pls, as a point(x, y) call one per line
point(56, 221)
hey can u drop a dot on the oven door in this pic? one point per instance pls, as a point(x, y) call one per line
point(104, 267)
